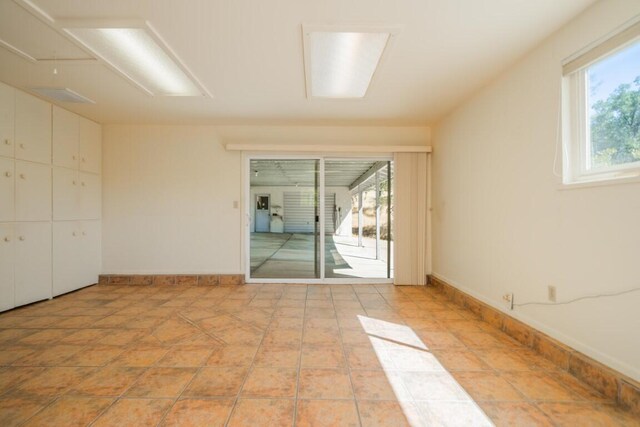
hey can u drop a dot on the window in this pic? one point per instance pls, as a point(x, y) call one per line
point(601, 97)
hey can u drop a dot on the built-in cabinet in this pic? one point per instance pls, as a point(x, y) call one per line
point(50, 199)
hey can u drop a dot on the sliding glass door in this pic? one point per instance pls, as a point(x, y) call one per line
point(284, 234)
point(319, 219)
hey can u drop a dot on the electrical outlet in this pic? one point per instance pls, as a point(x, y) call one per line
point(508, 299)
point(551, 293)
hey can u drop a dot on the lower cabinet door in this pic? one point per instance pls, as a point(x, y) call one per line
point(6, 267)
point(67, 250)
point(32, 262)
point(90, 257)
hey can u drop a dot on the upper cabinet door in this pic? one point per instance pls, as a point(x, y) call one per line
point(66, 129)
point(32, 129)
point(33, 192)
point(90, 146)
point(7, 116)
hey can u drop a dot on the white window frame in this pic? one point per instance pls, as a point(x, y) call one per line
point(576, 133)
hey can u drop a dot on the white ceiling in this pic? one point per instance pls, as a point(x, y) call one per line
point(249, 54)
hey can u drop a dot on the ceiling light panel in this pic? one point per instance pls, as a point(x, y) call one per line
point(341, 64)
point(135, 53)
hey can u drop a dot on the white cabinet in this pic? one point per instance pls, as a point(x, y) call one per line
point(90, 196)
point(6, 267)
point(65, 138)
point(66, 194)
point(76, 255)
point(90, 146)
point(7, 189)
point(7, 114)
point(32, 129)
point(32, 266)
point(33, 192)
point(76, 195)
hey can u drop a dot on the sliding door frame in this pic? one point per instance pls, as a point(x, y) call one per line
point(246, 215)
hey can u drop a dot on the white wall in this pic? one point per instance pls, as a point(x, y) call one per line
point(168, 191)
point(168, 194)
point(502, 223)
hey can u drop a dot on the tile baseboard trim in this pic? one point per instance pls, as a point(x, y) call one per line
point(172, 279)
point(618, 387)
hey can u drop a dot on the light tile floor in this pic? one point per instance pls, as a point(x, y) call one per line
point(269, 355)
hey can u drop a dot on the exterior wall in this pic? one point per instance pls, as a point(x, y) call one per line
point(343, 201)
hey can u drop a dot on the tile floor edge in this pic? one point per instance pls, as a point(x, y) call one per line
point(620, 388)
point(172, 279)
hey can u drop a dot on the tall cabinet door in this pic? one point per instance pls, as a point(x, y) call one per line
point(33, 192)
point(7, 114)
point(65, 138)
point(6, 266)
point(90, 146)
point(7, 190)
point(32, 129)
point(32, 262)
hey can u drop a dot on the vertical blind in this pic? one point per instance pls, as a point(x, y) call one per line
point(410, 216)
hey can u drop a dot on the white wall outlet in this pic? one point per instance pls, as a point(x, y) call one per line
point(551, 293)
point(508, 299)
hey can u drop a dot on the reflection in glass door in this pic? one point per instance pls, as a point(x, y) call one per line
point(320, 219)
point(289, 246)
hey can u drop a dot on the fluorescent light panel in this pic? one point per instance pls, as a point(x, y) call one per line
point(136, 54)
point(342, 64)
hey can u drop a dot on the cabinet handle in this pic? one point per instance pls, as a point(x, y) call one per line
point(22, 146)
point(84, 160)
point(74, 183)
point(83, 184)
point(73, 157)
point(21, 238)
point(7, 142)
point(74, 234)
point(84, 233)
point(7, 174)
point(22, 176)
point(7, 239)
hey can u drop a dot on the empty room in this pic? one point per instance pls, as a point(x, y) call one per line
point(319, 213)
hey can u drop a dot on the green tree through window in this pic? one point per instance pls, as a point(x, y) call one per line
point(615, 127)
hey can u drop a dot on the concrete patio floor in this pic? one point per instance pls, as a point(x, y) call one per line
point(291, 256)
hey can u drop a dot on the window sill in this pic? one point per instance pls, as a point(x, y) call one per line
point(602, 181)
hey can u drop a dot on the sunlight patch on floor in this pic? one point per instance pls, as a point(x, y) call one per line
point(425, 390)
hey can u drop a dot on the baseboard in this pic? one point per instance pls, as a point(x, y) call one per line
point(613, 384)
point(172, 279)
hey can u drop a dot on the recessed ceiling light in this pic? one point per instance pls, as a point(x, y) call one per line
point(140, 55)
point(341, 64)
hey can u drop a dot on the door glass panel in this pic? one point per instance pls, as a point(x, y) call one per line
point(358, 239)
point(284, 230)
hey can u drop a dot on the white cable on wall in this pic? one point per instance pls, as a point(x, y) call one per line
point(628, 291)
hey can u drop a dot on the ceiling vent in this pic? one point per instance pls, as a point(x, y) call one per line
point(62, 95)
